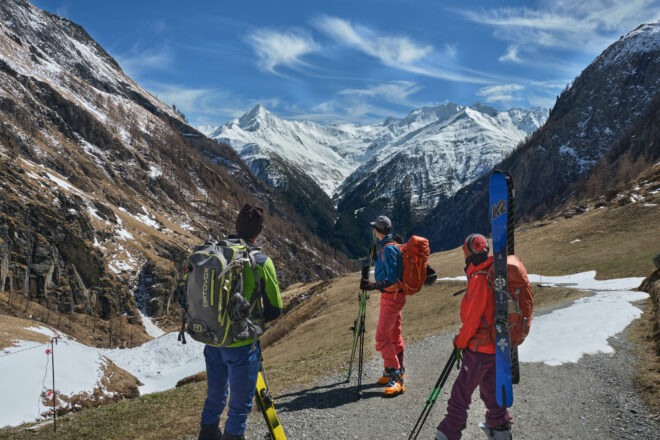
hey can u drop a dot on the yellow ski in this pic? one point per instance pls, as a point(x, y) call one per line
point(265, 404)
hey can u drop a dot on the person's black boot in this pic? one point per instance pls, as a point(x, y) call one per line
point(210, 432)
point(228, 436)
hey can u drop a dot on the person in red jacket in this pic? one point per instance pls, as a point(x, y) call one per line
point(476, 346)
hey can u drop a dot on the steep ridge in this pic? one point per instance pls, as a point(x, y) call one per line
point(611, 96)
point(104, 187)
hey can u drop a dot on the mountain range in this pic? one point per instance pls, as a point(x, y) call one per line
point(341, 175)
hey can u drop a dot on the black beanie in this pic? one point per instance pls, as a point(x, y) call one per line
point(250, 221)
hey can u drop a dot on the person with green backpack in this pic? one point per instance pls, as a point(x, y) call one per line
point(236, 366)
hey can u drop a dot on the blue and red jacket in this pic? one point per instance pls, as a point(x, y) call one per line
point(388, 264)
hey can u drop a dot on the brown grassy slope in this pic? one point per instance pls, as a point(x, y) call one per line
point(646, 334)
point(615, 241)
point(13, 330)
point(114, 332)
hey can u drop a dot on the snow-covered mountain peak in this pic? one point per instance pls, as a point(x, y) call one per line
point(643, 39)
point(483, 108)
point(337, 157)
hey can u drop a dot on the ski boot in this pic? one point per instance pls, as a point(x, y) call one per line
point(210, 432)
point(385, 378)
point(228, 436)
point(395, 385)
point(502, 432)
point(439, 435)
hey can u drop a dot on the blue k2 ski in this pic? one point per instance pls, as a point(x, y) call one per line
point(499, 211)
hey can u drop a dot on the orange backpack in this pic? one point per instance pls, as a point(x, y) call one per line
point(414, 259)
point(520, 295)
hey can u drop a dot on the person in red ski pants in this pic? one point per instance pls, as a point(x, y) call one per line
point(388, 333)
point(476, 346)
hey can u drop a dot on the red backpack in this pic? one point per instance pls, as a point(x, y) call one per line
point(520, 293)
point(414, 259)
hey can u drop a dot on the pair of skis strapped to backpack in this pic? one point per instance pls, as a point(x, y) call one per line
point(502, 195)
point(266, 405)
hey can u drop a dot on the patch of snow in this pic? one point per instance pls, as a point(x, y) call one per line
point(565, 335)
point(459, 278)
point(159, 364)
point(152, 329)
point(155, 172)
point(124, 234)
point(577, 240)
point(77, 370)
point(187, 227)
point(62, 183)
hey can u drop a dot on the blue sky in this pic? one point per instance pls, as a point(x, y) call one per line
point(352, 61)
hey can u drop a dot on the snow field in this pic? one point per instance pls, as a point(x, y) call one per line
point(25, 375)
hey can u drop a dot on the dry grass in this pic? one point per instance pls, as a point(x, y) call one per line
point(85, 329)
point(616, 242)
point(13, 330)
point(647, 378)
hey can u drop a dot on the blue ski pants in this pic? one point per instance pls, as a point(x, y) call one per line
point(236, 368)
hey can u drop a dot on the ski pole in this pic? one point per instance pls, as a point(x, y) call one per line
point(358, 326)
point(433, 397)
point(362, 332)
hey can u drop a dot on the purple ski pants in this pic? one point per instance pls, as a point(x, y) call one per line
point(478, 369)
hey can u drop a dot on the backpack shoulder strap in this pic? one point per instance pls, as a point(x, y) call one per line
point(480, 272)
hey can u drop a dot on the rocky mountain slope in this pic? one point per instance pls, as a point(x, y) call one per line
point(401, 166)
point(601, 112)
point(104, 188)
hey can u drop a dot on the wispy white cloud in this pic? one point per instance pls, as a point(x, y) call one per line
point(396, 92)
point(451, 50)
point(551, 84)
point(587, 25)
point(208, 106)
point(141, 60)
point(511, 54)
point(275, 48)
point(500, 93)
point(399, 52)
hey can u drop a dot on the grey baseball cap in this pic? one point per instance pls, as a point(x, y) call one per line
point(382, 224)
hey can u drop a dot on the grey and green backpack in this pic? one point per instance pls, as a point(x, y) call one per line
point(216, 311)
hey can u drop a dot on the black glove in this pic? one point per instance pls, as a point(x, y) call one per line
point(379, 285)
point(367, 285)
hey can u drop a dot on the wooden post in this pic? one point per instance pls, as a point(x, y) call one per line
point(52, 359)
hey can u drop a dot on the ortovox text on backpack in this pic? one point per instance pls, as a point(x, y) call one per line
point(216, 311)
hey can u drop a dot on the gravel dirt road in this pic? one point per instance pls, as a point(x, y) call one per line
point(591, 399)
